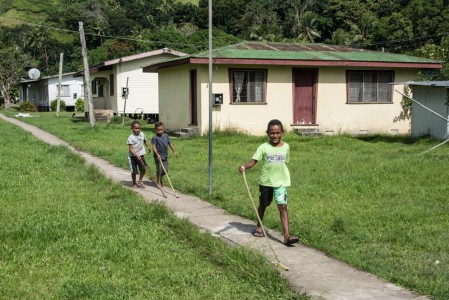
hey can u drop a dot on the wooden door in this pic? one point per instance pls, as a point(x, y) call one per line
point(193, 98)
point(304, 96)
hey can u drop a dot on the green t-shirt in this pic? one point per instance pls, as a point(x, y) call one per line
point(274, 171)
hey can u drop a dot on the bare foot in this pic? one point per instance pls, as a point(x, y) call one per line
point(141, 185)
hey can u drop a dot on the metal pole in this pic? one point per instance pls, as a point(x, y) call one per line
point(210, 97)
point(423, 106)
point(436, 146)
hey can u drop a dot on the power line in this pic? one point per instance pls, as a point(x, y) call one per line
point(99, 35)
point(374, 43)
point(414, 39)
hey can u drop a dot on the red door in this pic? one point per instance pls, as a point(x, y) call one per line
point(304, 96)
point(193, 97)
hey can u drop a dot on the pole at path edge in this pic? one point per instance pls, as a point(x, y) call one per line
point(210, 97)
point(58, 104)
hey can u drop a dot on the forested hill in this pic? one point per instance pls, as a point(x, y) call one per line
point(115, 28)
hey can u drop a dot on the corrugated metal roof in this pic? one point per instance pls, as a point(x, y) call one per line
point(316, 52)
point(300, 55)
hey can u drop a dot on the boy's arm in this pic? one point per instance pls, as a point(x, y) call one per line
point(248, 165)
point(131, 149)
point(173, 149)
point(155, 151)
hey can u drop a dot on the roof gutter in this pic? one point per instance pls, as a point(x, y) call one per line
point(296, 63)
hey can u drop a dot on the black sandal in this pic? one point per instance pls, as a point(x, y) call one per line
point(290, 240)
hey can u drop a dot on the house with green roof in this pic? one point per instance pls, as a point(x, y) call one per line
point(318, 88)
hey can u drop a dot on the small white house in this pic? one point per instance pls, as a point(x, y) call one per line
point(44, 90)
point(109, 80)
point(430, 112)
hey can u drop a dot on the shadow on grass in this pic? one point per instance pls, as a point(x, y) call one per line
point(402, 139)
point(79, 120)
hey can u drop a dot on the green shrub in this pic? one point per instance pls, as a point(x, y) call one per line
point(116, 120)
point(27, 106)
point(54, 103)
point(79, 105)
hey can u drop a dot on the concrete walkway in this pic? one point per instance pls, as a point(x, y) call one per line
point(311, 271)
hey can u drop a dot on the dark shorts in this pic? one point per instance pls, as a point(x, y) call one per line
point(134, 163)
point(159, 169)
point(266, 194)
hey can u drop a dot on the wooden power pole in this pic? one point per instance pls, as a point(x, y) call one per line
point(58, 105)
point(87, 82)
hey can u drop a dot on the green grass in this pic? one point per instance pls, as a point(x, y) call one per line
point(67, 232)
point(374, 202)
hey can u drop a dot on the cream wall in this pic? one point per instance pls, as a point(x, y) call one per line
point(252, 118)
point(334, 116)
point(174, 97)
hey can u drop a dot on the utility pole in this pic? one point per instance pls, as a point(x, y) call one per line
point(58, 105)
point(210, 97)
point(87, 76)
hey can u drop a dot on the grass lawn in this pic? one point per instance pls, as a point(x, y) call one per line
point(373, 202)
point(67, 232)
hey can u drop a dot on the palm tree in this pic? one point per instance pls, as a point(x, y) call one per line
point(307, 31)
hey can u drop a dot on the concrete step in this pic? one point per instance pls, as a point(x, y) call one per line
point(308, 131)
point(180, 134)
point(190, 130)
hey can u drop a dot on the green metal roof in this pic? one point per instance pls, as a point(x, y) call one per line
point(300, 54)
point(316, 52)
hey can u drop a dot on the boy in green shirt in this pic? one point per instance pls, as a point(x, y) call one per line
point(274, 177)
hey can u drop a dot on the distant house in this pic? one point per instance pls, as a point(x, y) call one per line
point(110, 78)
point(433, 117)
point(44, 90)
point(309, 87)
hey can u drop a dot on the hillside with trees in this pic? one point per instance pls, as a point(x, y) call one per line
point(41, 30)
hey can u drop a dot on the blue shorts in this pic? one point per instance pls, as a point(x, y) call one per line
point(266, 194)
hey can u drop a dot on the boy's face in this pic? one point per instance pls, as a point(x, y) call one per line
point(136, 129)
point(275, 134)
point(160, 130)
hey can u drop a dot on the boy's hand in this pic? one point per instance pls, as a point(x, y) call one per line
point(242, 169)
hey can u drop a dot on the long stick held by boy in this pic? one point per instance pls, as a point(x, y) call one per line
point(136, 152)
point(161, 142)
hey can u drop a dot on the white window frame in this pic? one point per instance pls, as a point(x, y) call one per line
point(65, 90)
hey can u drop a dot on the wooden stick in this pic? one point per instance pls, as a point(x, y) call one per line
point(169, 181)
